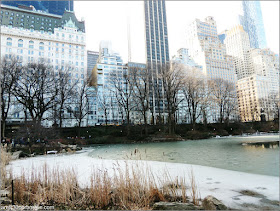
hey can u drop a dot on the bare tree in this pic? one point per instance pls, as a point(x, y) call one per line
point(274, 104)
point(36, 90)
point(10, 72)
point(120, 86)
point(65, 91)
point(194, 92)
point(80, 104)
point(139, 82)
point(103, 103)
point(222, 92)
point(172, 83)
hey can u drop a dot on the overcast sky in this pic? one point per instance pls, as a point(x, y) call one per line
point(107, 20)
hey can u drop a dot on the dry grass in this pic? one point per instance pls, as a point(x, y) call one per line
point(195, 194)
point(130, 188)
point(5, 176)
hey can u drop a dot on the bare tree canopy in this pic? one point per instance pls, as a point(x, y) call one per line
point(10, 73)
point(36, 90)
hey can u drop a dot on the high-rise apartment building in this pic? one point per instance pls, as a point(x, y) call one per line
point(258, 76)
point(108, 73)
point(156, 33)
point(157, 51)
point(207, 50)
point(92, 57)
point(53, 7)
point(238, 46)
point(62, 45)
point(252, 22)
point(189, 67)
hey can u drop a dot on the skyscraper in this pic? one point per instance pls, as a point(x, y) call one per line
point(53, 7)
point(238, 45)
point(252, 23)
point(157, 51)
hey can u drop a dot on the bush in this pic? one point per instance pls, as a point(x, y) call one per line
point(194, 135)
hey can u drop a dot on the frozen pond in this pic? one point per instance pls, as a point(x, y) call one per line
point(225, 153)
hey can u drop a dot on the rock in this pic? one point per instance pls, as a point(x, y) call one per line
point(52, 152)
point(15, 155)
point(72, 147)
point(63, 151)
point(211, 203)
point(175, 206)
point(5, 201)
point(4, 193)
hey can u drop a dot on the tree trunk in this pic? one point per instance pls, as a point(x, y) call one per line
point(3, 128)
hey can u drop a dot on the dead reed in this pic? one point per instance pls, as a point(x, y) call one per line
point(5, 175)
point(132, 187)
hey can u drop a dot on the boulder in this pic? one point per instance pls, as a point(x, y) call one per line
point(15, 155)
point(5, 201)
point(211, 203)
point(175, 206)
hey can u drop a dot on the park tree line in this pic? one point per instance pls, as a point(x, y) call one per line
point(184, 88)
point(42, 93)
point(179, 91)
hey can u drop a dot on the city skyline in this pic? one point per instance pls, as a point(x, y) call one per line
point(103, 23)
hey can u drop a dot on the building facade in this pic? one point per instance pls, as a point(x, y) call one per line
point(207, 50)
point(92, 57)
point(238, 46)
point(157, 50)
point(61, 46)
point(252, 22)
point(107, 74)
point(52, 7)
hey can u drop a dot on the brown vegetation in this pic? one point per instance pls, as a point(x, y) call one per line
point(127, 189)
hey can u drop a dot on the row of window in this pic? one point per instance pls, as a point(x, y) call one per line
point(41, 44)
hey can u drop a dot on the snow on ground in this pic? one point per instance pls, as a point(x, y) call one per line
point(223, 184)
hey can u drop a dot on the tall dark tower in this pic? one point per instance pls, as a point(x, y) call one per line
point(53, 7)
point(157, 51)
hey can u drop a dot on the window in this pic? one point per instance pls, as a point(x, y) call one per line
point(20, 43)
point(41, 46)
point(31, 44)
point(9, 41)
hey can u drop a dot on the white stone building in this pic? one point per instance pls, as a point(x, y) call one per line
point(108, 72)
point(34, 36)
point(206, 49)
point(238, 46)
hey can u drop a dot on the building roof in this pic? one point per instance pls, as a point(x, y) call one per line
point(29, 18)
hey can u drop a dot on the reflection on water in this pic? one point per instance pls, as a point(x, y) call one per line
point(226, 153)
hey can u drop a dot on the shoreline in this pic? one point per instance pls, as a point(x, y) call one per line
point(225, 185)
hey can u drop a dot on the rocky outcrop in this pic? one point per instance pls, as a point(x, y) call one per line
point(175, 206)
point(211, 203)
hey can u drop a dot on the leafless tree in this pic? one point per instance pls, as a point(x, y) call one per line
point(274, 104)
point(194, 91)
point(172, 83)
point(36, 90)
point(80, 104)
point(139, 82)
point(65, 91)
point(124, 95)
point(10, 72)
point(103, 103)
point(222, 93)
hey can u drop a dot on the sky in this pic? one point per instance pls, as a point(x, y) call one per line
point(108, 20)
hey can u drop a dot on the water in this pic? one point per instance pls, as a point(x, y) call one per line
point(226, 153)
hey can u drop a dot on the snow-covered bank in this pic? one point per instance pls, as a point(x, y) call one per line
point(223, 184)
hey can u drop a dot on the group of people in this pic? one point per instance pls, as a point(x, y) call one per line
point(21, 141)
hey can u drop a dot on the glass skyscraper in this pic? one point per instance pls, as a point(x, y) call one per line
point(53, 7)
point(157, 51)
point(156, 33)
point(252, 23)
